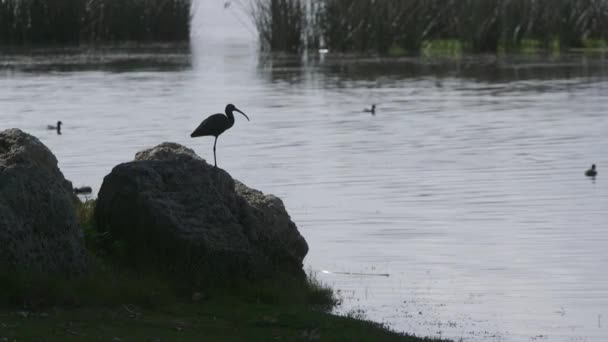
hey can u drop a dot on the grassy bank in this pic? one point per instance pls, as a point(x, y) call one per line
point(210, 321)
point(408, 25)
point(116, 302)
point(91, 21)
point(119, 306)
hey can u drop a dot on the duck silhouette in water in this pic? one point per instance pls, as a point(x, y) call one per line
point(370, 110)
point(592, 172)
point(57, 128)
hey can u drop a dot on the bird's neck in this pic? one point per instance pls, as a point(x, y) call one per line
point(230, 118)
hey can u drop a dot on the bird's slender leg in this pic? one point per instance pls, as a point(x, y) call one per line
point(214, 158)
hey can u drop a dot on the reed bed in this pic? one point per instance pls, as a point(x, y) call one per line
point(281, 24)
point(89, 21)
point(388, 26)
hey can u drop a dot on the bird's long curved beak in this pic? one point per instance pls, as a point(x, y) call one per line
point(242, 113)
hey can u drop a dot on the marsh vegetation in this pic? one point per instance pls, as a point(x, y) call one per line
point(80, 21)
point(408, 26)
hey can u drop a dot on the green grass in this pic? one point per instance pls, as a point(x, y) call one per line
point(595, 44)
point(104, 286)
point(117, 303)
point(210, 320)
point(443, 47)
point(112, 304)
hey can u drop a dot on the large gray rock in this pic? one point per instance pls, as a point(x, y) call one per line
point(170, 209)
point(38, 226)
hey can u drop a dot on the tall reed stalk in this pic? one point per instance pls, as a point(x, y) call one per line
point(281, 24)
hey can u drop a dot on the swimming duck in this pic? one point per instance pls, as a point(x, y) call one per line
point(58, 127)
point(370, 110)
point(592, 172)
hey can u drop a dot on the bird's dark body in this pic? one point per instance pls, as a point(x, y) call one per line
point(592, 172)
point(371, 110)
point(214, 125)
point(58, 127)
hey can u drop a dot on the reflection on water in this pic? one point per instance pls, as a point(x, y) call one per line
point(159, 57)
point(482, 68)
point(467, 187)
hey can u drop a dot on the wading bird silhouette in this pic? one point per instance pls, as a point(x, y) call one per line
point(215, 125)
point(371, 110)
point(58, 127)
point(592, 172)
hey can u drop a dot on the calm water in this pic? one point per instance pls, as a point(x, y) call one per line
point(466, 188)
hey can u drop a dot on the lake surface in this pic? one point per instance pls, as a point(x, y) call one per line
point(466, 188)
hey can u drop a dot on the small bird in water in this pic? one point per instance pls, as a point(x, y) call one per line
point(215, 125)
point(58, 127)
point(592, 172)
point(370, 110)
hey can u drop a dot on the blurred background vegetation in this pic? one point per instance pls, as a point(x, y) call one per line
point(409, 26)
point(86, 21)
point(369, 26)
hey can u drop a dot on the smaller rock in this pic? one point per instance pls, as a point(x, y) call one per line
point(39, 231)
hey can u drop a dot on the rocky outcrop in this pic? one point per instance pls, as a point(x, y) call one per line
point(172, 210)
point(38, 226)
